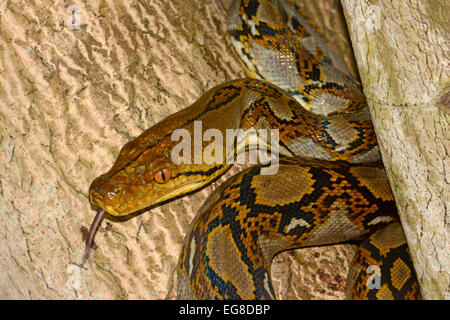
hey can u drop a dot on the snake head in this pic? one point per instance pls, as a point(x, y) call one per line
point(144, 175)
point(148, 170)
point(140, 177)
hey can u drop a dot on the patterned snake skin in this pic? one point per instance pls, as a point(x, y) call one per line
point(330, 186)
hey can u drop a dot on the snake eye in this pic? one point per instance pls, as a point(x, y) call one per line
point(163, 175)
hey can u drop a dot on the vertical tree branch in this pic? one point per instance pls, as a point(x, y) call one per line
point(401, 48)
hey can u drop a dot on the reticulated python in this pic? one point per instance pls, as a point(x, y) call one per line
point(330, 185)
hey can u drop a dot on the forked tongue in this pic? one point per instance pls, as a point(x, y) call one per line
point(88, 236)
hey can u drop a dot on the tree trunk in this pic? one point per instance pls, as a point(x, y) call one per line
point(76, 83)
point(401, 48)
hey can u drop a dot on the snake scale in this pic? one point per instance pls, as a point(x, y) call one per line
point(330, 185)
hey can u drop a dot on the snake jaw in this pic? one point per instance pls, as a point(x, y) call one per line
point(120, 199)
point(129, 185)
point(105, 201)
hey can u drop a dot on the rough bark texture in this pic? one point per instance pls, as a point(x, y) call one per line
point(402, 52)
point(70, 98)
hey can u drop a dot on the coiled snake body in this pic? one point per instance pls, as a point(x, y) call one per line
point(330, 186)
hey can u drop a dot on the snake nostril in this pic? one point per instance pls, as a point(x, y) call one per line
point(96, 197)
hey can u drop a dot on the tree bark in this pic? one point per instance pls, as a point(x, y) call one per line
point(76, 83)
point(401, 48)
